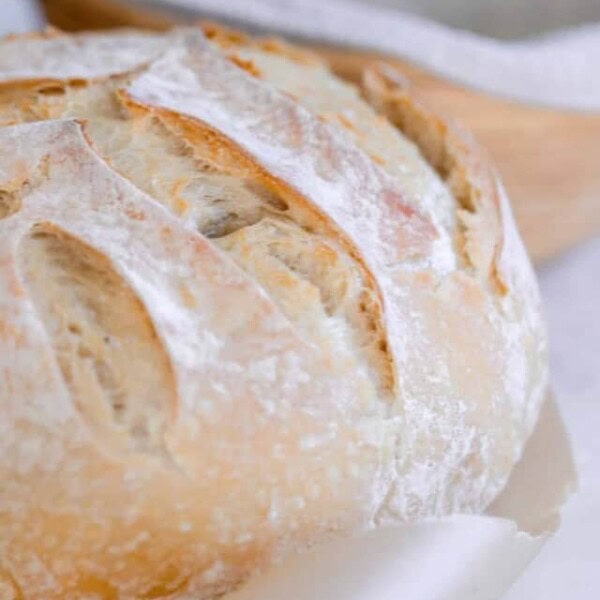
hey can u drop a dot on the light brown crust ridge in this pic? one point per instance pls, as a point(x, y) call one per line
point(456, 157)
point(214, 146)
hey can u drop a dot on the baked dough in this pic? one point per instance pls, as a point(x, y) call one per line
point(244, 307)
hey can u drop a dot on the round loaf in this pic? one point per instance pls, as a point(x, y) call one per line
point(244, 307)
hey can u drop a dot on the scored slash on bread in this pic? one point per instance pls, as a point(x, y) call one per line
point(46, 252)
point(257, 315)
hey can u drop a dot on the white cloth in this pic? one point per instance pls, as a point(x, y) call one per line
point(19, 15)
point(503, 19)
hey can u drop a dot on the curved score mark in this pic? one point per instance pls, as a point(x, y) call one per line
point(116, 368)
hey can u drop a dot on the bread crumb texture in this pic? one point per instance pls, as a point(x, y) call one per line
point(245, 307)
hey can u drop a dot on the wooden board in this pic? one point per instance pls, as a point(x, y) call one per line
point(549, 159)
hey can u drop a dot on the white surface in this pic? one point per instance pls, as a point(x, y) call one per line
point(569, 565)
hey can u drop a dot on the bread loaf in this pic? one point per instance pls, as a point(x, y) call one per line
point(244, 308)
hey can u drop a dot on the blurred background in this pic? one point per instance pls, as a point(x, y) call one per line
point(504, 19)
point(548, 154)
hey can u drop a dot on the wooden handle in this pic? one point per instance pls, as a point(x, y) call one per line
point(549, 159)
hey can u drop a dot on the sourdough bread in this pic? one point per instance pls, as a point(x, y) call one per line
point(244, 307)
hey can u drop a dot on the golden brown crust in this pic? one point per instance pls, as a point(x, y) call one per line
point(212, 145)
point(227, 38)
point(450, 149)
